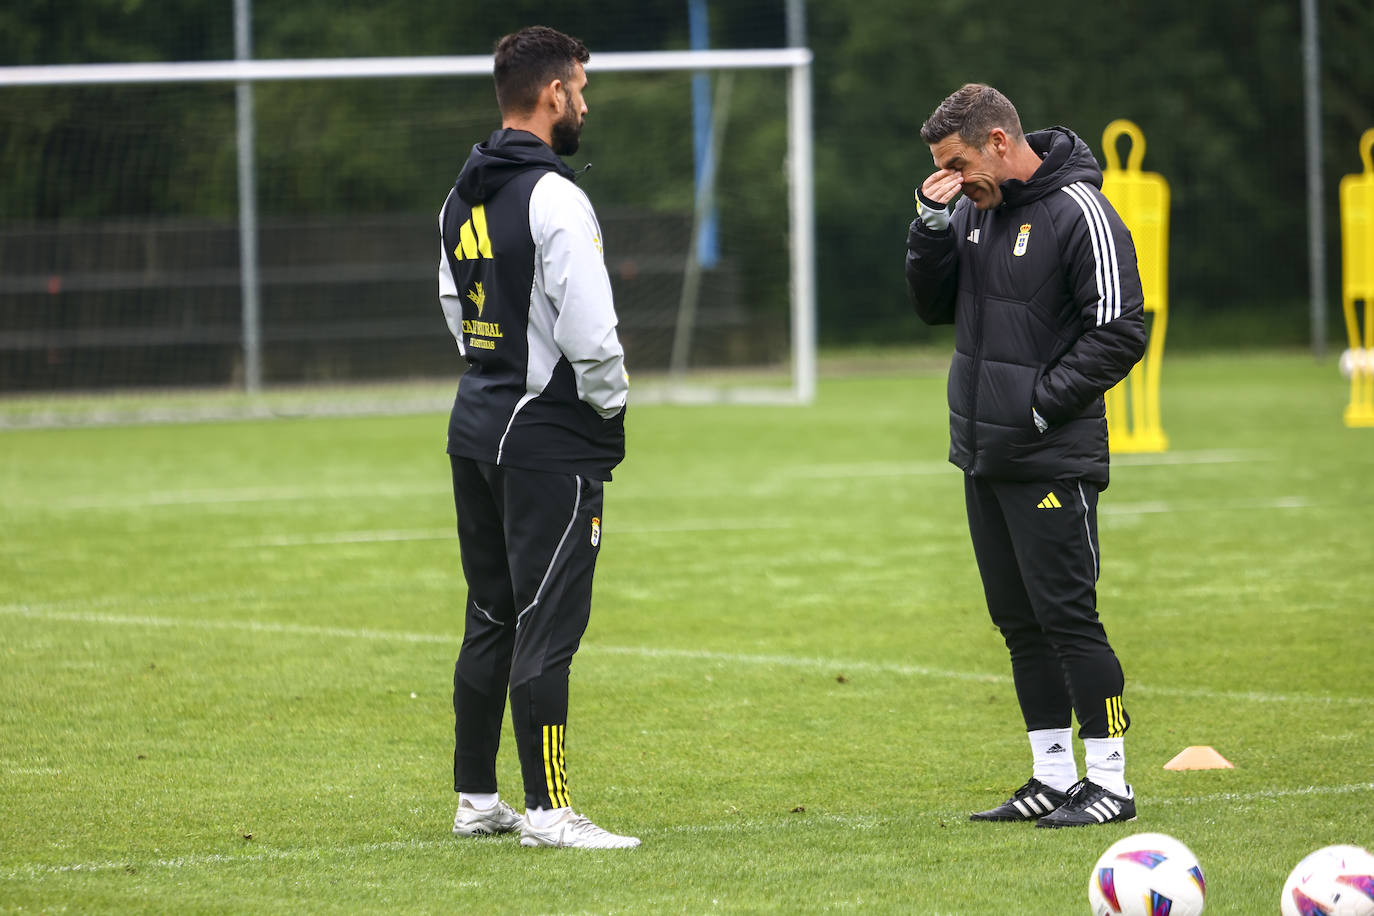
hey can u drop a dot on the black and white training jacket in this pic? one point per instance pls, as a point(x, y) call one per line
point(1045, 298)
point(524, 289)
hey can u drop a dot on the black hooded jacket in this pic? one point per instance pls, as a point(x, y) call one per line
point(1045, 298)
point(524, 289)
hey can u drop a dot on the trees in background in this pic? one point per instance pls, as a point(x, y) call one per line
point(1216, 87)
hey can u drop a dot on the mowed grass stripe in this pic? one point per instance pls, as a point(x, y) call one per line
point(820, 471)
point(734, 826)
point(649, 652)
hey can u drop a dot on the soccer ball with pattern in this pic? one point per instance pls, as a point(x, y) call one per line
point(1333, 881)
point(1147, 874)
point(1356, 360)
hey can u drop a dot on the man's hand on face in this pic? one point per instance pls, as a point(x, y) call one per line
point(942, 186)
point(934, 195)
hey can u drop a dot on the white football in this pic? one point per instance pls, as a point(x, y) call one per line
point(1357, 360)
point(1333, 881)
point(1147, 874)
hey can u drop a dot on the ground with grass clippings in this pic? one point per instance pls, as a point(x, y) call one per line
point(227, 654)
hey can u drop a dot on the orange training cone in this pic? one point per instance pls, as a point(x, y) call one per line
point(1199, 757)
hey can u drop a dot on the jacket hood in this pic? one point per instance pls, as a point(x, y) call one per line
point(1065, 159)
point(503, 156)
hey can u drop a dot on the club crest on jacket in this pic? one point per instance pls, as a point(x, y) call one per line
point(1022, 240)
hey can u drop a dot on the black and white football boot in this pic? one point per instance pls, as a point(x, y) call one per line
point(1031, 801)
point(1088, 804)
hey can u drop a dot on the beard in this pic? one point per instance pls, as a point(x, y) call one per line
point(567, 132)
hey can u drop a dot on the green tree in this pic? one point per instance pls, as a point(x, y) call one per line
point(1216, 87)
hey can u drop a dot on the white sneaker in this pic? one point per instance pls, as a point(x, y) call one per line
point(573, 831)
point(499, 818)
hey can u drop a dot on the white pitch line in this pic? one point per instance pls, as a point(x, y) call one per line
point(1160, 507)
point(233, 495)
point(445, 534)
point(709, 524)
point(924, 468)
point(871, 820)
point(1229, 798)
point(869, 469)
point(247, 495)
point(809, 663)
point(1201, 456)
point(725, 524)
point(348, 537)
point(730, 825)
point(212, 859)
point(850, 665)
point(247, 626)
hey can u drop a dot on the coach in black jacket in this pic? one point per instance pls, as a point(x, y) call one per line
point(536, 428)
point(1038, 275)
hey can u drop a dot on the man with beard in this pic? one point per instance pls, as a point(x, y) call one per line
point(537, 426)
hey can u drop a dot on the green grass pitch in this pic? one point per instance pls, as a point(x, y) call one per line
point(227, 649)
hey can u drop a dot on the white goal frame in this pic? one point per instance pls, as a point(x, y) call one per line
point(799, 165)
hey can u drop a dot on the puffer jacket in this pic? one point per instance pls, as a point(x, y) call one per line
point(1045, 298)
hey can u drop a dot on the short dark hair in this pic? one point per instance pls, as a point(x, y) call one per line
point(528, 60)
point(972, 111)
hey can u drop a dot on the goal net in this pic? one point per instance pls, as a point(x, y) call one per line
point(131, 257)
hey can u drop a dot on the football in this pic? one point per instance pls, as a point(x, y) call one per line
point(1147, 874)
point(1333, 881)
point(1356, 360)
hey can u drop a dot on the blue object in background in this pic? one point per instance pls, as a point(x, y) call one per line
point(708, 244)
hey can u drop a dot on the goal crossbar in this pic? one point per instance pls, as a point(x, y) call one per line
point(371, 67)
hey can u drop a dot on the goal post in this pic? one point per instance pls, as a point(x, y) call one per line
point(645, 201)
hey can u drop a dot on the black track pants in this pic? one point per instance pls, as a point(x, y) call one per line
point(1037, 552)
point(529, 542)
